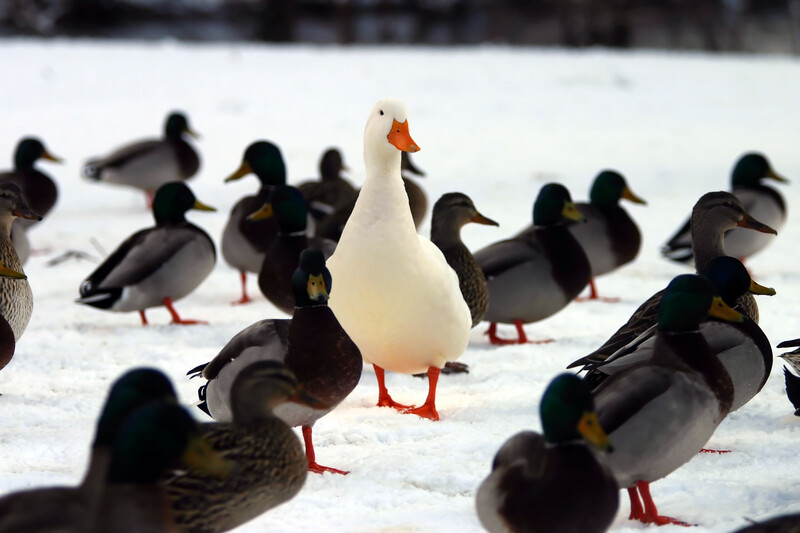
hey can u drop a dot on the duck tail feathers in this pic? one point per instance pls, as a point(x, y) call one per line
point(101, 298)
point(681, 254)
point(792, 389)
point(92, 170)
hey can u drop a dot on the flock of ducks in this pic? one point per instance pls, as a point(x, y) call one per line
point(648, 400)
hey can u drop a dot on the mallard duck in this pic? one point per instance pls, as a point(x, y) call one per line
point(16, 298)
point(536, 273)
point(660, 413)
point(713, 214)
point(245, 241)
point(74, 508)
point(396, 296)
point(270, 468)
point(149, 164)
point(552, 482)
point(741, 347)
point(155, 266)
point(155, 438)
point(792, 381)
point(7, 342)
point(610, 237)
point(450, 213)
point(764, 203)
point(283, 255)
point(325, 196)
point(38, 189)
point(312, 344)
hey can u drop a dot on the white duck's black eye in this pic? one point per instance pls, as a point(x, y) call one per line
point(381, 112)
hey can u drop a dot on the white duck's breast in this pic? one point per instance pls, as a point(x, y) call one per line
point(148, 171)
point(664, 434)
point(178, 276)
point(742, 242)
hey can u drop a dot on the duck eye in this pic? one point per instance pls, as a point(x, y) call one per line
point(381, 112)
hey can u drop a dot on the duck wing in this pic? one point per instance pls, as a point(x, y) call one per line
point(122, 156)
point(271, 333)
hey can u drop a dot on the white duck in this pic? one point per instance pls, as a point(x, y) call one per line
point(396, 296)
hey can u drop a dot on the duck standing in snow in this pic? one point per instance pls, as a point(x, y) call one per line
point(245, 241)
point(38, 189)
point(660, 413)
point(536, 273)
point(16, 298)
point(792, 381)
point(7, 343)
point(762, 202)
point(149, 164)
point(332, 191)
point(282, 257)
point(155, 266)
point(312, 344)
point(552, 482)
point(609, 237)
point(451, 213)
point(75, 508)
point(741, 347)
point(270, 468)
point(396, 296)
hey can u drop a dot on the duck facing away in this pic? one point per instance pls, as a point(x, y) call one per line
point(16, 298)
point(741, 347)
point(245, 241)
point(38, 189)
point(75, 508)
point(451, 213)
point(552, 482)
point(763, 202)
point(396, 296)
point(536, 273)
point(332, 191)
point(312, 345)
point(268, 462)
point(282, 257)
point(659, 414)
point(609, 237)
point(149, 164)
point(155, 266)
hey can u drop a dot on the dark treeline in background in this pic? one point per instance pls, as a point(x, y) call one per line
point(731, 25)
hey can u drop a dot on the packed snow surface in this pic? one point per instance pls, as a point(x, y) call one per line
point(494, 123)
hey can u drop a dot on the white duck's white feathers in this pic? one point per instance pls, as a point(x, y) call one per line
point(396, 296)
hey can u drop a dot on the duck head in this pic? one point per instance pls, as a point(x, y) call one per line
point(264, 385)
point(311, 281)
point(451, 212)
point(609, 187)
point(159, 436)
point(131, 390)
point(686, 302)
point(554, 205)
point(568, 414)
point(730, 280)
point(331, 165)
point(172, 201)
point(176, 125)
point(13, 205)
point(751, 168)
point(265, 160)
point(722, 211)
point(29, 150)
point(289, 207)
point(387, 134)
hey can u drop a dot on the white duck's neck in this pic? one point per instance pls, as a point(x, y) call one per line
point(385, 199)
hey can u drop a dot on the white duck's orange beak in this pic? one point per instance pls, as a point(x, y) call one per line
point(401, 139)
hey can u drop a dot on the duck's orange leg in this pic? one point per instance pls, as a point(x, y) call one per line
point(384, 400)
point(176, 319)
point(428, 409)
point(313, 466)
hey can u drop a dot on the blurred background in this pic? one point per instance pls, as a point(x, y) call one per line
point(771, 26)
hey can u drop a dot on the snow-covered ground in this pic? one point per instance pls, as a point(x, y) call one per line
point(494, 123)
